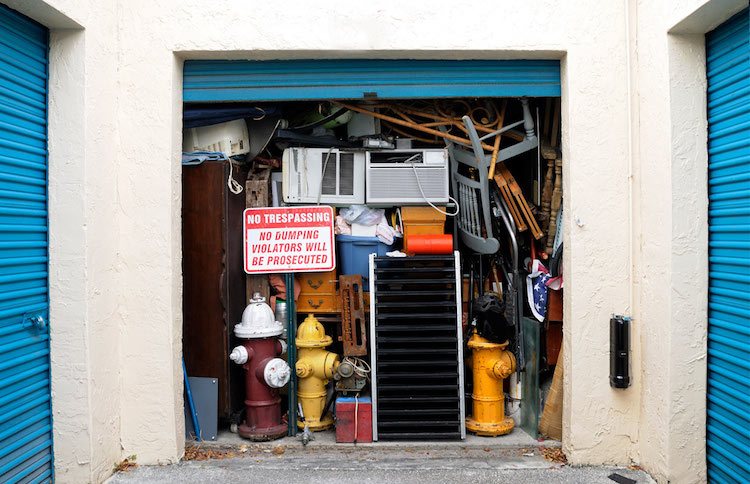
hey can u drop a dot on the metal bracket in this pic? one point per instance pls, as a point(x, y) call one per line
point(34, 321)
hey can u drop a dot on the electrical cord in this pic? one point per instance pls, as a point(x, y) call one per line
point(419, 184)
point(361, 367)
point(356, 416)
point(232, 184)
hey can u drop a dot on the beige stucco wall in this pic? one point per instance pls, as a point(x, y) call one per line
point(635, 201)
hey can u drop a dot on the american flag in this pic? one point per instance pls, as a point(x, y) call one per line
point(538, 282)
point(536, 289)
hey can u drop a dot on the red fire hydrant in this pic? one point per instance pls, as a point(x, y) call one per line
point(265, 372)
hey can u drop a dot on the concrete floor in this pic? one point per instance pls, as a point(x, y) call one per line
point(475, 460)
point(518, 438)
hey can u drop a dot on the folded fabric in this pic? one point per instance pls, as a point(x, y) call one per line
point(385, 233)
point(341, 226)
point(198, 157)
point(395, 253)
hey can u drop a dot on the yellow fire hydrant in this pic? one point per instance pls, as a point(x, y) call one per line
point(315, 366)
point(491, 364)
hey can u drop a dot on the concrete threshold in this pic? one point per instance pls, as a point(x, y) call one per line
point(518, 439)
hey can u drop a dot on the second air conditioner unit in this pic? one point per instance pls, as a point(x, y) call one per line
point(323, 175)
point(413, 176)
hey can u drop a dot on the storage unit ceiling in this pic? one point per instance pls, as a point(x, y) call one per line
point(286, 80)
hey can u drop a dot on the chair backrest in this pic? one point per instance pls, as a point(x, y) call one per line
point(472, 192)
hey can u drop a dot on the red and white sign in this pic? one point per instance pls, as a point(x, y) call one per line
point(289, 239)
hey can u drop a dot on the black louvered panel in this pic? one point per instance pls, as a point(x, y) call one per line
point(418, 364)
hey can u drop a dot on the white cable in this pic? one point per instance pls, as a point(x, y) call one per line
point(356, 416)
point(419, 184)
point(232, 184)
point(360, 366)
point(263, 114)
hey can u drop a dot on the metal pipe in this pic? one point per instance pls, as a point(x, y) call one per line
point(291, 309)
point(191, 404)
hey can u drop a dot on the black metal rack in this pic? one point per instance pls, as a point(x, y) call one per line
point(417, 340)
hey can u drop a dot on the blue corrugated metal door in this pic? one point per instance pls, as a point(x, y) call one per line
point(25, 410)
point(728, 69)
point(222, 80)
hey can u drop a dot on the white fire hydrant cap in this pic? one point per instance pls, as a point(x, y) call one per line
point(258, 320)
point(239, 355)
point(277, 373)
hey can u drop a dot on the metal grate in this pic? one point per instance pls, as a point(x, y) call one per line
point(416, 341)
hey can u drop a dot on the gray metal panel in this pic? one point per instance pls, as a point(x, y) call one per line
point(728, 401)
point(373, 352)
point(25, 412)
point(206, 398)
point(460, 335)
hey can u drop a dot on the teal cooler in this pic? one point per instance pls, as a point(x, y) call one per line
point(354, 255)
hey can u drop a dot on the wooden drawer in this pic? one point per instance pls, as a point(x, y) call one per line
point(318, 283)
point(318, 293)
point(318, 303)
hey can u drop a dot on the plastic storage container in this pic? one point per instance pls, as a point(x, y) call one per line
point(421, 221)
point(353, 420)
point(354, 255)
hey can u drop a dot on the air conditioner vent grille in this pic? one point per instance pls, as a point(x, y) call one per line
point(329, 164)
point(397, 183)
point(346, 174)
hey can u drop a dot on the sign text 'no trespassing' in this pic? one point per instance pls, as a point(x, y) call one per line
point(289, 239)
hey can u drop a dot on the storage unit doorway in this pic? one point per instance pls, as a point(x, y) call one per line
point(527, 90)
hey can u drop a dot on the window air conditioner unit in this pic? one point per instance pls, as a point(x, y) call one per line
point(407, 176)
point(323, 175)
point(231, 138)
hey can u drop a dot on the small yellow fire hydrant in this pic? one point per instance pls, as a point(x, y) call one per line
point(491, 364)
point(315, 366)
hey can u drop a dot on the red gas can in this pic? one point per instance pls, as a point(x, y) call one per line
point(353, 419)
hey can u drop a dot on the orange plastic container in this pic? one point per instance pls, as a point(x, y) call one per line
point(431, 244)
point(421, 221)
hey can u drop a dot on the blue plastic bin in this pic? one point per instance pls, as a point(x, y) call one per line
point(354, 255)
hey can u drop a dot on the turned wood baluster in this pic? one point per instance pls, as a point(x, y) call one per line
point(555, 206)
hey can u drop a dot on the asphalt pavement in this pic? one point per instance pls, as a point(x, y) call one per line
point(291, 464)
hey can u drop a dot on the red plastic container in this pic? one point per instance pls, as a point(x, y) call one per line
point(430, 244)
point(353, 420)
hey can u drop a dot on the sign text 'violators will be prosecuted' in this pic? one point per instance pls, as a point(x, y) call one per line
point(289, 239)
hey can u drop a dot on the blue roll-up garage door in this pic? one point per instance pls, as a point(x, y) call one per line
point(728, 68)
point(25, 411)
point(224, 81)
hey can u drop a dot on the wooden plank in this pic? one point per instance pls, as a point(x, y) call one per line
point(353, 329)
point(521, 204)
point(257, 194)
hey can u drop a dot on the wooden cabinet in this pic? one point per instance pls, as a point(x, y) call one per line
point(318, 293)
point(213, 276)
